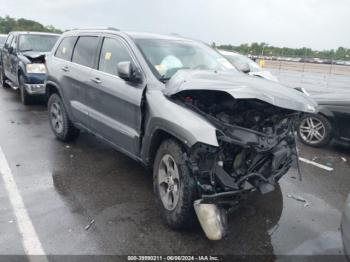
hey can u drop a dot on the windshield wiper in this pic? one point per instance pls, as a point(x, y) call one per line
point(26, 50)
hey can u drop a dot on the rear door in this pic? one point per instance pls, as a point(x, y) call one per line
point(115, 104)
point(83, 59)
point(76, 57)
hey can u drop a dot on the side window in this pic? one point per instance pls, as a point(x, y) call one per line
point(8, 41)
point(14, 43)
point(65, 49)
point(84, 50)
point(112, 52)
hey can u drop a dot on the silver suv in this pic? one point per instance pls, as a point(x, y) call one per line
point(210, 134)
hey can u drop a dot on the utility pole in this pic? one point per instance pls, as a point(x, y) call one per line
point(330, 69)
point(303, 73)
point(262, 51)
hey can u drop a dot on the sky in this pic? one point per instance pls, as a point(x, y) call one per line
point(318, 24)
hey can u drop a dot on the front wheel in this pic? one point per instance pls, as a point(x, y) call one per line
point(315, 130)
point(3, 78)
point(25, 97)
point(60, 123)
point(174, 185)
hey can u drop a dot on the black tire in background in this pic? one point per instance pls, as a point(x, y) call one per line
point(315, 123)
point(181, 214)
point(60, 123)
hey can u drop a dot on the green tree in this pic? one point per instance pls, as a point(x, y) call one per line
point(255, 48)
point(8, 24)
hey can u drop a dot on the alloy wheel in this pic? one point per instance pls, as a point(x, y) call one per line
point(56, 117)
point(312, 130)
point(168, 182)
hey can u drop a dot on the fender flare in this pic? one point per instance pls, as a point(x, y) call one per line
point(60, 93)
point(173, 130)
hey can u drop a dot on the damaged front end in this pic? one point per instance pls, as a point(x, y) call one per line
point(256, 148)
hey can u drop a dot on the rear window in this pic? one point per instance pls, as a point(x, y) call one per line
point(65, 49)
point(84, 50)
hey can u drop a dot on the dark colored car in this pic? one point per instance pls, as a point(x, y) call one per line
point(345, 228)
point(332, 121)
point(23, 62)
point(210, 133)
point(2, 42)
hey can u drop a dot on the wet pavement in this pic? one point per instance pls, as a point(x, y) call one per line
point(66, 187)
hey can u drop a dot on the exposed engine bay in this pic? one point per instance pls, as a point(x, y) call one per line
point(256, 146)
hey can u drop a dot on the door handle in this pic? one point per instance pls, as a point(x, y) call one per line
point(65, 68)
point(97, 80)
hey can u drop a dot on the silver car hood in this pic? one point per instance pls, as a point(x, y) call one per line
point(265, 74)
point(240, 86)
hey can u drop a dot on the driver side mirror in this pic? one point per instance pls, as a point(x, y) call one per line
point(243, 67)
point(128, 72)
point(10, 49)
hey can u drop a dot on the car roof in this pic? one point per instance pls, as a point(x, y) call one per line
point(145, 35)
point(134, 35)
point(32, 33)
point(225, 52)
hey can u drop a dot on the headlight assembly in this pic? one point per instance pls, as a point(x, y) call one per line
point(36, 68)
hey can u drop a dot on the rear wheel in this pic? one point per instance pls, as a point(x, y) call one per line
point(174, 185)
point(315, 130)
point(60, 123)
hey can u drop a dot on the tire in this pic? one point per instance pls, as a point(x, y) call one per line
point(60, 123)
point(181, 213)
point(3, 78)
point(26, 99)
point(318, 124)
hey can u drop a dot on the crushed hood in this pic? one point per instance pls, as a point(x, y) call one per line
point(240, 86)
point(34, 55)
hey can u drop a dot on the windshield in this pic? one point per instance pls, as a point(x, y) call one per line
point(2, 40)
point(237, 58)
point(37, 43)
point(166, 57)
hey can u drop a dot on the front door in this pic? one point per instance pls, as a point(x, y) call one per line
point(13, 63)
point(6, 61)
point(342, 118)
point(115, 104)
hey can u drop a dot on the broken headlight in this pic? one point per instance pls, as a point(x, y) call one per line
point(36, 69)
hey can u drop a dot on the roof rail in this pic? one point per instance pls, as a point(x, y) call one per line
point(174, 34)
point(98, 28)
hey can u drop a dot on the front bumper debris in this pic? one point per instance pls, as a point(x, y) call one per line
point(212, 219)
